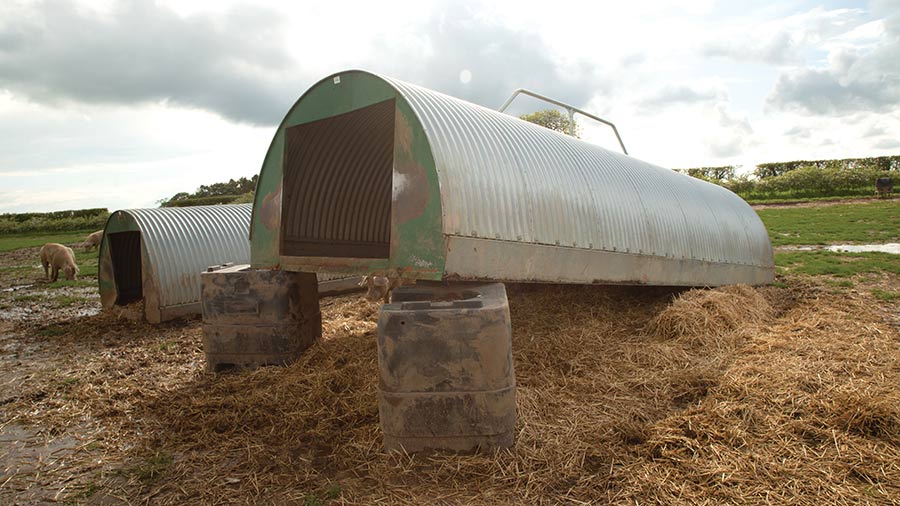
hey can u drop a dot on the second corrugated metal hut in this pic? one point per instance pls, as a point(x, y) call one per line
point(156, 255)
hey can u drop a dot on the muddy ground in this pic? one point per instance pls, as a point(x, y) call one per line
point(787, 394)
point(820, 203)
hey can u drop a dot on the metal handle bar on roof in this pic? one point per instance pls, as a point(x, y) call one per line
point(570, 108)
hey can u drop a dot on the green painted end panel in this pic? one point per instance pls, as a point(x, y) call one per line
point(266, 217)
point(325, 99)
point(118, 221)
point(418, 247)
point(418, 244)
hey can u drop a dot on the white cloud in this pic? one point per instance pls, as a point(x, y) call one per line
point(684, 95)
point(892, 143)
point(233, 63)
point(861, 74)
point(787, 40)
point(117, 157)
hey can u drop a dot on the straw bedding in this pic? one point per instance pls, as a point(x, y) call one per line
point(624, 394)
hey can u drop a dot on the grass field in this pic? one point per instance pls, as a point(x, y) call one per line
point(875, 222)
point(19, 241)
point(817, 263)
point(26, 266)
point(755, 198)
point(872, 222)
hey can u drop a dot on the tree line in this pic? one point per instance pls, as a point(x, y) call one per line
point(234, 191)
point(877, 163)
point(802, 178)
point(56, 221)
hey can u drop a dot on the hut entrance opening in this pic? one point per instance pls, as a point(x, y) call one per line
point(125, 252)
point(337, 185)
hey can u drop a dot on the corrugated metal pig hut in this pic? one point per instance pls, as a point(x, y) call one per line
point(368, 174)
point(156, 255)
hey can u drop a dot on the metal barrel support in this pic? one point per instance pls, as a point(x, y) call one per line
point(254, 318)
point(446, 368)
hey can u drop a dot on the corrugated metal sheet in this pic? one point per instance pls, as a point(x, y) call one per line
point(359, 180)
point(182, 241)
point(503, 178)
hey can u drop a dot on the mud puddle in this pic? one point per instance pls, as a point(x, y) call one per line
point(893, 248)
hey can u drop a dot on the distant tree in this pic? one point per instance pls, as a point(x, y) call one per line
point(246, 198)
point(712, 174)
point(208, 193)
point(742, 185)
point(232, 187)
point(552, 119)
point(879, 163)
point(765, 170)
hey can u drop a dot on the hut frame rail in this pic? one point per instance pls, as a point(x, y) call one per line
point(571, 109)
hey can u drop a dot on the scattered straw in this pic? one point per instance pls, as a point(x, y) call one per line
point(709, 317)
point(624, 394)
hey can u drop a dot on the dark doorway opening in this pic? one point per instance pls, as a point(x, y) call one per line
point(337, 185)
point(125, 251)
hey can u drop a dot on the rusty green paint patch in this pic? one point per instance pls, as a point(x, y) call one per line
point(417, 243)
point(264, 223)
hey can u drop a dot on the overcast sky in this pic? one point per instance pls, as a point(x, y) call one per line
point(119, 104)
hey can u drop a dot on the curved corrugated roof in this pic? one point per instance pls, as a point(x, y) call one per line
point(180, 242)
point(508, 179)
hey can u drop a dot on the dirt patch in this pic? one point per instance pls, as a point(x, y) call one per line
point(818, 203)
point(26, 256)
point(34, 465)
point(37, 304)
point(85, 378)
